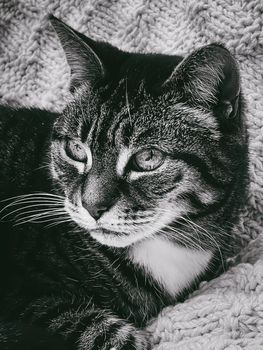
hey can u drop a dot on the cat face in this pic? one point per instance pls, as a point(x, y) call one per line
point(139, 147)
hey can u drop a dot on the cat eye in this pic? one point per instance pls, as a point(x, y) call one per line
point(148, 159)
point(76, 151)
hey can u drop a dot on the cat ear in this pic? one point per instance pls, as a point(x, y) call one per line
point(84, 63)
point(208, 77)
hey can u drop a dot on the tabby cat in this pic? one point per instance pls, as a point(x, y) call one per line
point(120, 205)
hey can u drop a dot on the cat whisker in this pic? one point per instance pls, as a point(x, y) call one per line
point(35, 222)
point(41, 199)
point(199, 230)
point(40, 218)
point(34, 198)
point(38, 194)
point(51, 200)
point(170, 211)
point(36, 201)
point(43, 213)
point(38, 211)
point(83, 114)
point(186, 239)
point(59, 222)
point(190, 241)
point(127, 101)
point(187, 243)
point(209, 236)
point(42, 167)
point(218, 229)
point(23, 210)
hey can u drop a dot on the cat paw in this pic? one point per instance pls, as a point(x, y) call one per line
point(135, 340)
point(122, 337)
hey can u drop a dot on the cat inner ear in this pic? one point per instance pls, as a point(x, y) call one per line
point(208, 77)
point(84, 63)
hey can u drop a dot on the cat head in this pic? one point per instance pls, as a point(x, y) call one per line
point(148, 140)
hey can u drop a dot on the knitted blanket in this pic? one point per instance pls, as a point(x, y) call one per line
point(227, 312)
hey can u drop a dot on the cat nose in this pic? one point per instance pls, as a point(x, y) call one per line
point(95, 210)
point(99, 194)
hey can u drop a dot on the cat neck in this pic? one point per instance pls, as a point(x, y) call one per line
point(172, 266)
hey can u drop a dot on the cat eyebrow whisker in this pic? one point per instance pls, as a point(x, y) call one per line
point(127, 101)
point(82, 113)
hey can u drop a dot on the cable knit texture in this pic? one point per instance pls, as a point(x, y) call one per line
point(226, 313)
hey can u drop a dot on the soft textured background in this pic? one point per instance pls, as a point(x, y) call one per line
point(226, 313)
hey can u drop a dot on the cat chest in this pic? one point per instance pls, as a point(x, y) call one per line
point(173, 267)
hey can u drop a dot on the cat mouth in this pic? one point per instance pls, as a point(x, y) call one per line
point(104, 231)
point(111, 238)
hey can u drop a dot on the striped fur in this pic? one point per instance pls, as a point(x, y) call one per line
point(75, 234)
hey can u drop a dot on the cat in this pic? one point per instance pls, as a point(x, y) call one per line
point(121, 204)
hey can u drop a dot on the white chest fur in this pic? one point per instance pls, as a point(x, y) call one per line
point(172, 266)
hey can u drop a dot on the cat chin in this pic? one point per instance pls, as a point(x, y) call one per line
point(113, 239)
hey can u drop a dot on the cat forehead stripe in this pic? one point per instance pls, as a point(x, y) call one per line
point(89, 158)
point(200, 116)
point(122, 161)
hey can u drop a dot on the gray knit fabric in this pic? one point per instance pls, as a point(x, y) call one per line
point(226, 313)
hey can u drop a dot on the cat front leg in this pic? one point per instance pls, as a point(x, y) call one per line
point(95, 329)
point(113, 334)
point(85, 326)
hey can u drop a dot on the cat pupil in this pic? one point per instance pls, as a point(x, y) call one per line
point(76, 151)
point(150, 159)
